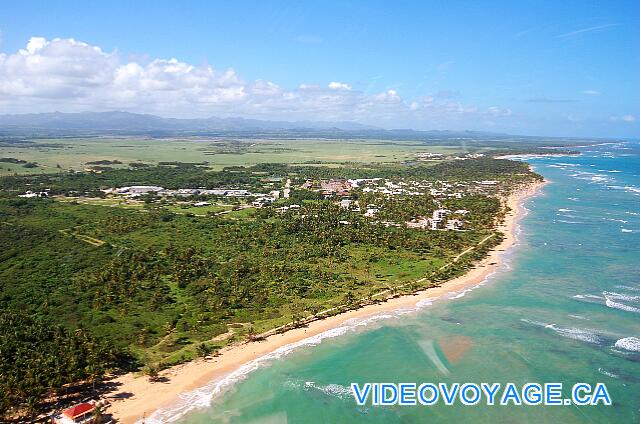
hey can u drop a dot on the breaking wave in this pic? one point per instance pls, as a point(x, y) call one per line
point(621, 306)
point(621, 296)
point(631, 344)
point(579, 334)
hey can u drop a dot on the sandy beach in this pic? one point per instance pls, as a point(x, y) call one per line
point(137, 397)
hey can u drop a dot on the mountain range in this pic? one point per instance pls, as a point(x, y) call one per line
point(135, 122)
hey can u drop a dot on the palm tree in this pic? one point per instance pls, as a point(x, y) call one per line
point(97, 414)
point(151, 371)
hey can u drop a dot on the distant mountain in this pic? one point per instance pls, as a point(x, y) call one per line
point(90, 124)
point(134, 122)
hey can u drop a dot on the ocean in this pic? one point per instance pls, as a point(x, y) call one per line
point(565, 308)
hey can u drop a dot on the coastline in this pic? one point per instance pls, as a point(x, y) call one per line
point(537, 155)
point(144, 397)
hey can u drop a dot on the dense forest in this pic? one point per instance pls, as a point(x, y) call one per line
point(106, 286)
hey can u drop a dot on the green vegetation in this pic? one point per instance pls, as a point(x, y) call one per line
point(54, 155)
point(38, 358)
point(62, 154)
point(164, 281)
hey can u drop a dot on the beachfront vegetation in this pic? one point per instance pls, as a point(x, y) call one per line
point(38, 358)
point(92, 277)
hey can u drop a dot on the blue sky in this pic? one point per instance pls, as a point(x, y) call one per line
point(568, 68)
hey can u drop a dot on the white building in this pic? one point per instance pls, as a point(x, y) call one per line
point(346, 203)
point(371, 212)
point(139, 190)
point(30, 194)
point(454, 224)
point(439, 214)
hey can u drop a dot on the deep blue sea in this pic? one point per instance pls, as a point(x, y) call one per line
point(565, 308)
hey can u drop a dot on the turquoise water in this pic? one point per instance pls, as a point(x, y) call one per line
point(565, 309)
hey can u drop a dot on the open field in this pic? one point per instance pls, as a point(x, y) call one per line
point(54, 155)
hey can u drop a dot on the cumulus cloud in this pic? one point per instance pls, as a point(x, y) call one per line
point(70, 75)
point(339, 86)
point(59, 69)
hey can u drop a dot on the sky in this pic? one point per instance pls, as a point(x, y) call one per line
point(554, 68)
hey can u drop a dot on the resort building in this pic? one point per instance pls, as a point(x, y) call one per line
point(435, 223)
point(346, 203)
point(439, 214)
point(371, 212)
point(81, 413)
point(454, 224)
point(31, 194)
point(419, 222)
point(139, 190)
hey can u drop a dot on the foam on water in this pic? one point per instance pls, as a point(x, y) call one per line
point(332, 390)
point(621, 296)
point(577, 334)
point(628, 288)
point(580, 334)
point(587, 296)
point(579, 317)
point(617, 305)
point(631, 344)
point(607, 373)
point(566, 215)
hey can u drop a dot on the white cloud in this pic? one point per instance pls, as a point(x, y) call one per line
point(339, 86)
point(591, 92)
point(389, 96)
point(623, 118)
point(69, 75)
point(496, 112)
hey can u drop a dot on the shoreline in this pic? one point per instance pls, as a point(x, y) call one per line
point(144, 397)
point(537, 155)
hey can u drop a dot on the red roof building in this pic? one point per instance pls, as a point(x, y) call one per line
point(79, 411)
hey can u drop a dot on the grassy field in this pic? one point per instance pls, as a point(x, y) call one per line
point(54, 155)
point(199, 210)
